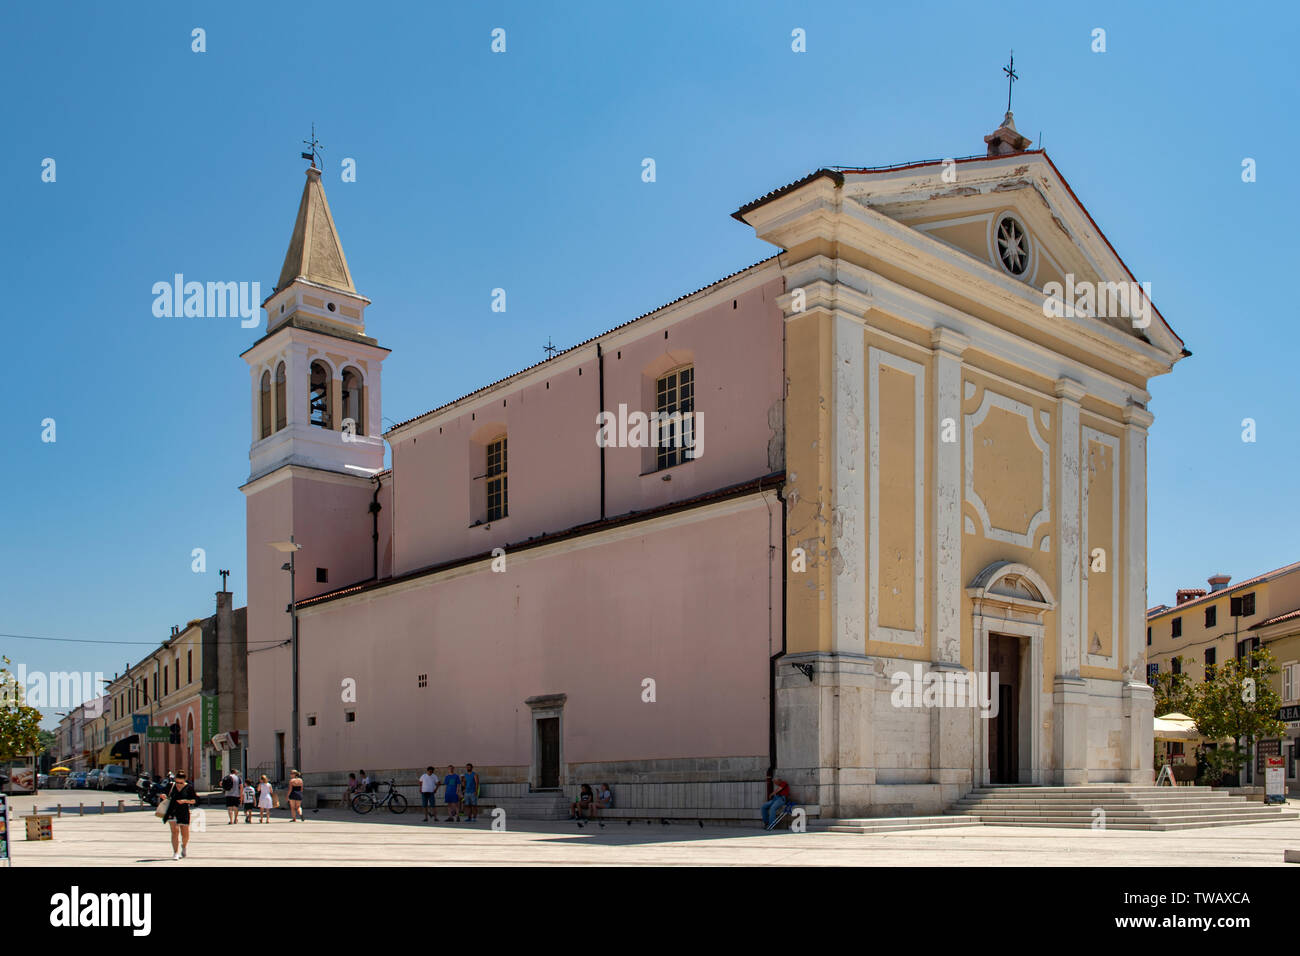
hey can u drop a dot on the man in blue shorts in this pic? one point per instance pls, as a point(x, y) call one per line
point(470, 785)
point(451, 793)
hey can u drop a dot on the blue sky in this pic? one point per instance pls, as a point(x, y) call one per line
point(522, 170)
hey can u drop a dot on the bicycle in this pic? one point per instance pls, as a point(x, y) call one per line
point(365, 802)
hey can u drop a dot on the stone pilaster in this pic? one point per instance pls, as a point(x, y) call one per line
point(948, 585)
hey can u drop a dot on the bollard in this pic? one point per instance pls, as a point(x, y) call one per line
point(121, 805)
point(101, 808)
point(81, 809)
point(59, 808)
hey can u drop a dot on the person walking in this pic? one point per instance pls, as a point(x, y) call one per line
point(451, 793)
point(250, 799)
point(264, 800)
point(295, 796)
point(181, 796)
point(470, 787)
point(234, 789)
point(428, 792)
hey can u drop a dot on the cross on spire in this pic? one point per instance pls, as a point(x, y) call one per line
point(1010, 71)
point(316, 148)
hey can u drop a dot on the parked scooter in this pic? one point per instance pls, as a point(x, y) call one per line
point(150, 791)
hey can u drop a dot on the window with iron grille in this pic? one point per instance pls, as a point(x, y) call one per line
point(674, 417)
point(497, 488)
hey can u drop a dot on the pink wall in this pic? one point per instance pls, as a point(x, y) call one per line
point(332, 523)
point(554, 462)
point(687, 606)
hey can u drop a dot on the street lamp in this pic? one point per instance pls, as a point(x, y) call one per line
point(291, 548)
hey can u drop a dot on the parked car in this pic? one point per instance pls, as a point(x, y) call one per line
point(77, 780)
point(92, 779)
point(42, 781)
point(115, 777)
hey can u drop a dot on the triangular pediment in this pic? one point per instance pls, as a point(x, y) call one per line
point(1050, 243)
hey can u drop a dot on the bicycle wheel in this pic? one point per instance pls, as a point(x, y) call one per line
point(398, 803)
point(363, 803)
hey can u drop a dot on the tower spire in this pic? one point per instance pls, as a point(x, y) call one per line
point(315, 252)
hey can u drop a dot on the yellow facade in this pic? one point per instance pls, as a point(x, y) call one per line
point(966, 478)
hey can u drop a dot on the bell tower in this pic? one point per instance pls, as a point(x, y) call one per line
point(315, 374)
point(315, 455)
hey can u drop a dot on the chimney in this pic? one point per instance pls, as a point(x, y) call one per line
point(1189, 594)
point(1218, 582)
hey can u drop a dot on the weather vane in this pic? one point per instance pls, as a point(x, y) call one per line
point(549, 349)
point(315, 148)
point(1009, 70)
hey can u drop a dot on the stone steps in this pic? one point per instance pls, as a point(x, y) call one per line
point(1126, 808)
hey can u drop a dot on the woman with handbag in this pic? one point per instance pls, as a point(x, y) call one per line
point(175, 810)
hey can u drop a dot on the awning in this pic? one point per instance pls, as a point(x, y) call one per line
point(1176, 727)
point(122, 748)
point(105, 755)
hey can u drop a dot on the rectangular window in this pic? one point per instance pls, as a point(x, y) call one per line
point(674, 425)
point(1176, 627)
point(144, 690)
point(1148, 637)
point(497, 504)
point(311, 720)
point(1210, 658)
point(350, 716)
point(1176, 665)
point(1152, 671)
point(322, 575)
point(165, 691)
point(1211, 615)
point(189, 667)
point(1248, 604)
point(1288, 682)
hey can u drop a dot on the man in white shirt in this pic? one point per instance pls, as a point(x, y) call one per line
point(428, 788)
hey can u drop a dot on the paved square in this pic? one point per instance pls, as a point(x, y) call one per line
point(342, 838)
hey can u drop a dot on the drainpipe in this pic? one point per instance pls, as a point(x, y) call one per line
point(771, 675)
point(375, 508)
point(600, 375)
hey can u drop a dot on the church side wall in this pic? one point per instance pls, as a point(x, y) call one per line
point(682, 601)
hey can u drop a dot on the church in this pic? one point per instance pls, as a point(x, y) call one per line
point(916, 469)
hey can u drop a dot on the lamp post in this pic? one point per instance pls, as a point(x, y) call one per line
point(291, 548)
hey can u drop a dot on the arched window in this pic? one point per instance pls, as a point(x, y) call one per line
point(353, 395)
point(281, 412)
point(265, 404)
point(320, 395)
point(497, 501)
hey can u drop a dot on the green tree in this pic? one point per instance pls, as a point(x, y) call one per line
point(19, 724)
point(1174, 694)
point(1239, 702)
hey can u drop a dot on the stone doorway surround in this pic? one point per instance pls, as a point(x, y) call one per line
point(1011, 599)
point(545, 706)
